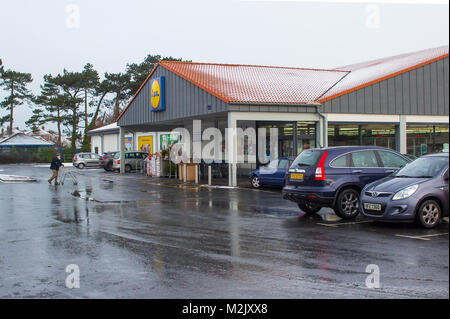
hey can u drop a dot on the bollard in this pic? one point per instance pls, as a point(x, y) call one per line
point(196, 174)
point(209, 175)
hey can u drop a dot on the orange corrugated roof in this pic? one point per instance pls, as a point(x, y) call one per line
point(250, 84)
point(368, 73)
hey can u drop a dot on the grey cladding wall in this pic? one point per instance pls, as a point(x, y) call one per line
point(420, 91)
point(183, 99)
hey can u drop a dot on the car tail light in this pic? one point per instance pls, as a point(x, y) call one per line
point(118, 162)
point(320, 170)
point(75, 159)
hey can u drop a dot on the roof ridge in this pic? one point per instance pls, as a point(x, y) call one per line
point(163, 62)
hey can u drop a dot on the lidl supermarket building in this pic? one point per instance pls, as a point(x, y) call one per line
point(399, 102)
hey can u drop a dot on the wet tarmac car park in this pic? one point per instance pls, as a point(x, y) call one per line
point(137, 237)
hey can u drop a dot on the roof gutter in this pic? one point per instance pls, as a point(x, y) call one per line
point(273, 104)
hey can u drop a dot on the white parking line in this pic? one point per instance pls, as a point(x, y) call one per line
point(422, 237)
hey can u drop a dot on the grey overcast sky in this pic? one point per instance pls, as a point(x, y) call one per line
point(44, 36)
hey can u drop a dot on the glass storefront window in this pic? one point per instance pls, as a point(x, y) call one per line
point(343, 134)
point(353, 134)
point(423, 139)
point(306, 136)
point(441, 138)
point(419, 139)
point(379, 135)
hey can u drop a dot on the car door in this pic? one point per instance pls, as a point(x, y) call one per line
point(445, 190)
point(365, 167)
point(391, 161)
point(267, 173)
point(95, 160)
point(279, 175)
point(88, 159)
point(129, 158)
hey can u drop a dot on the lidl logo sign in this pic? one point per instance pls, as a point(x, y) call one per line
point(157, 94)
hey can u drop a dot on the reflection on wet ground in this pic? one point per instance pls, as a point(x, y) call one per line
point(134, 236)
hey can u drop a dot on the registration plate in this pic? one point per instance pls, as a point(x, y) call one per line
point(296, 176)
point(370, 206)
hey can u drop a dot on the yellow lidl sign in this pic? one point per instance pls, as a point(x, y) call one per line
point(157, 96)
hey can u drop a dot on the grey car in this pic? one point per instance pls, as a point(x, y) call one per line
point(133, 161)
point(82, 160)
point(417, 192)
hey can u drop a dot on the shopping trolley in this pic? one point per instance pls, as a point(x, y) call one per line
point(67, 172)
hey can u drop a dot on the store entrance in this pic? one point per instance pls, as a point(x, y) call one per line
point(293, 137)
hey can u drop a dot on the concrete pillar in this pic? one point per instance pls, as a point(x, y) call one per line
point(184, 172)
point(403, 147)
point(122, 149)
point(325, 131)
point(232, 150)
point(135, 146)
point(102, 147)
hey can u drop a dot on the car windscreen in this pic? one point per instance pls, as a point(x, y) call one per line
point(307, 158)
point(117, 155)
point(423, 167)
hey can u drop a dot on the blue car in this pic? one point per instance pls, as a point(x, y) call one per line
point(272, 174)
point(417, 192)
point(334, 176)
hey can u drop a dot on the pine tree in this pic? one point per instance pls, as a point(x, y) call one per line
point(90, 81)
point(16, 84)
point(118, 83)
point(71, 85)
point(50, 107)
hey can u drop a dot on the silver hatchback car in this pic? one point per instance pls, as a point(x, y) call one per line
point(82, 160)
point(133, 161)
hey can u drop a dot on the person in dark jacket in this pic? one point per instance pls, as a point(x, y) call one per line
point(54, 166)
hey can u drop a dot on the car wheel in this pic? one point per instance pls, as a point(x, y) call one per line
point(80, 166)
point(309, 208)
point(429, 214)
point(347, 205)
point(127, 168)
point(256, 183)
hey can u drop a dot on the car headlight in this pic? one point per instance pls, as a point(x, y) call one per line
point(406, 192)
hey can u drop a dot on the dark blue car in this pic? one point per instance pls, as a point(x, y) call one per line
point(417, 192)
point(272, 174)
point(334, 176)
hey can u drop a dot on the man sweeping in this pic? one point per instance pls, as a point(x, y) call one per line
point(54, 166)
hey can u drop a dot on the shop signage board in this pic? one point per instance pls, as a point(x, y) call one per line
point(145, 144)
point(128, 141)
point(166, 141)
point(157, 94)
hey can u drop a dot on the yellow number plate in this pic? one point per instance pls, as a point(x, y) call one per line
point(296, 176)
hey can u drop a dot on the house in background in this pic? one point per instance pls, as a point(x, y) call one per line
point(27, 147)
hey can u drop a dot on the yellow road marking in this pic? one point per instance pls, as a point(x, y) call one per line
point(339, 224)
point(328, 225)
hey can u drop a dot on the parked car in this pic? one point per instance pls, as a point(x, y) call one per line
point(106, 160)
point(334, 176)
point(82, 160)
point(271, 174)
point(417, 192)
point(133, 161)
